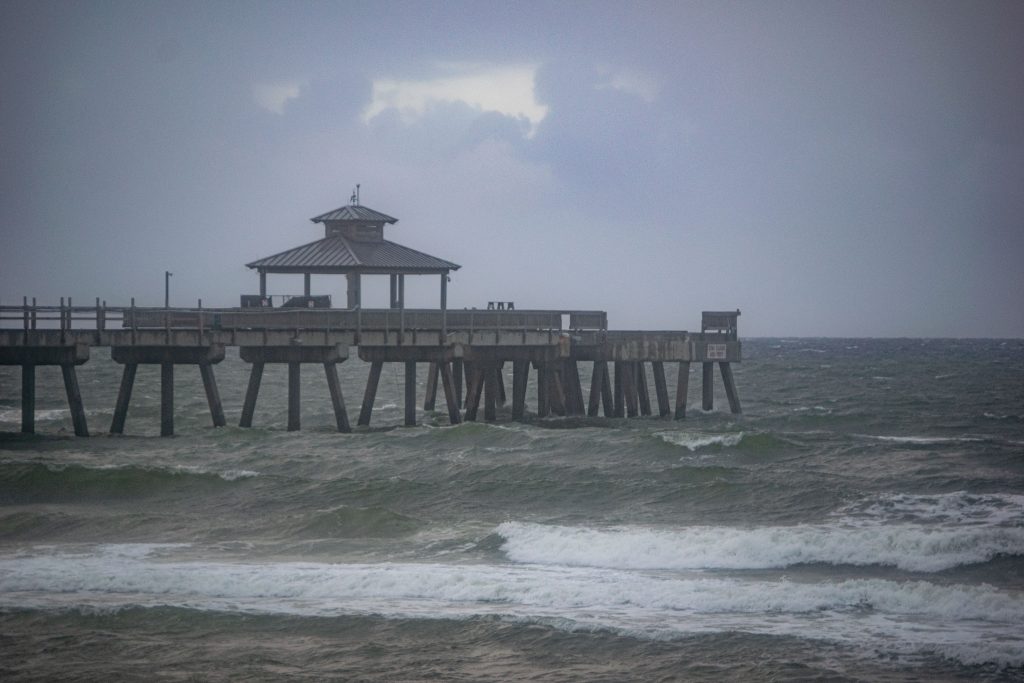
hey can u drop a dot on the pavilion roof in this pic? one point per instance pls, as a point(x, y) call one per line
point(354, 212)
point(337, 254)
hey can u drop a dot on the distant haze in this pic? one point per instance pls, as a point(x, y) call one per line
point(830, 168)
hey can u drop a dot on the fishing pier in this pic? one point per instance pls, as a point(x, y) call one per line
point(466, 351)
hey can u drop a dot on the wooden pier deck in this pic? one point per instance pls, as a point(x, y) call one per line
point(465, 349)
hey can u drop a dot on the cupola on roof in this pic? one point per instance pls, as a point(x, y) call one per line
point(354, 212)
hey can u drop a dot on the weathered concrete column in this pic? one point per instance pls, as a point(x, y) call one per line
point(337, 398)
point(294, 390)
point(629, 388)
point(641, 389)
point(166, 398)
point(543, 390)
point(682, 387)
point(249, 406)
point(410, 393)
point(354, 291)
point(661, 388)
point(28, 398)
point(730, 388)
point(457, 380)
point(449, 394)
point(490, 370)
point(124, 396)
point(212, 395)
point(372, 380)
point(430, 395)
point(520, 378)
point(74, 399)
point(619, 407)
point(708, 402)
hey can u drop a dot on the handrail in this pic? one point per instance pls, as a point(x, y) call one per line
point(101, 317)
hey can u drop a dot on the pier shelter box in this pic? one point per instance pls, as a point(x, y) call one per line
point(720, 322)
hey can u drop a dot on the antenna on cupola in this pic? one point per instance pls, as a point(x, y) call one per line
point(354, 199)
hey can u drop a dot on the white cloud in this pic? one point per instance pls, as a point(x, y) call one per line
point(274, 96)
point(508, 90)
point(643, 85)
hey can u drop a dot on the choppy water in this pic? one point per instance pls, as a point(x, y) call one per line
point(863, 520)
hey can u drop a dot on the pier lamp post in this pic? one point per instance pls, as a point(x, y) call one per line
point(167, 288)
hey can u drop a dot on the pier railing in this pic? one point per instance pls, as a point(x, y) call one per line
point(100, 317)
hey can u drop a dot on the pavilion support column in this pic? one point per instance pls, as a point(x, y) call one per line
point(393, 299)
point(450, 394)
point(730, 388)
point(294, 387)
point(371, 393)
point(263, 283)
point(337, 398)
point(444, 307)
point(248, 407)
point(708, 386)
point(410, 393)
point(520, 377)
point(166, 399)
point(661, 388)
point(641, 389)
point(28, 398)
point(401, 291)
point(430, 396)
point(212, 395)
point(306, 284)
point(354, 290)
point(682, 387)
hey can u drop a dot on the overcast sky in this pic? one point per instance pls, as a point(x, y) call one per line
point(830, 168)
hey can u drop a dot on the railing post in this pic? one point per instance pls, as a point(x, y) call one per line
point(25, 306)
point(70, 313)
point(35, 315)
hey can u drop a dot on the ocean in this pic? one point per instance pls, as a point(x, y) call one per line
point(862, 520)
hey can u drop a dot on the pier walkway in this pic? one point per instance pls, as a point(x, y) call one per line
point(465, 349)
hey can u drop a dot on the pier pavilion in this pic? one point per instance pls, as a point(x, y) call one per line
point(353, 245)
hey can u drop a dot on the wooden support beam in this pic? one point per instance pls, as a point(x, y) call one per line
point(660, 387)
point(682, 386)
point(372, 380)
point(28, 398)
point(543, 391)
point(294, 396)
point(490, 391)
point(641, 389)
point(249, 407)
point(520, 378)
point(166, 399)
point(450, 397)
point(708, 386)
point(430, 395)
point(475, 376)
point(619, 408)
point(730, 388)
point(212, 395)
point(337, 398)
point(596, 384)
point(629, 388)
point(410, 392)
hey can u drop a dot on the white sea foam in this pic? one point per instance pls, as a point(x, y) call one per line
point(979, 622)
point(906, 546)
point(957, 508)
point(926, 440)
point(692, 441)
